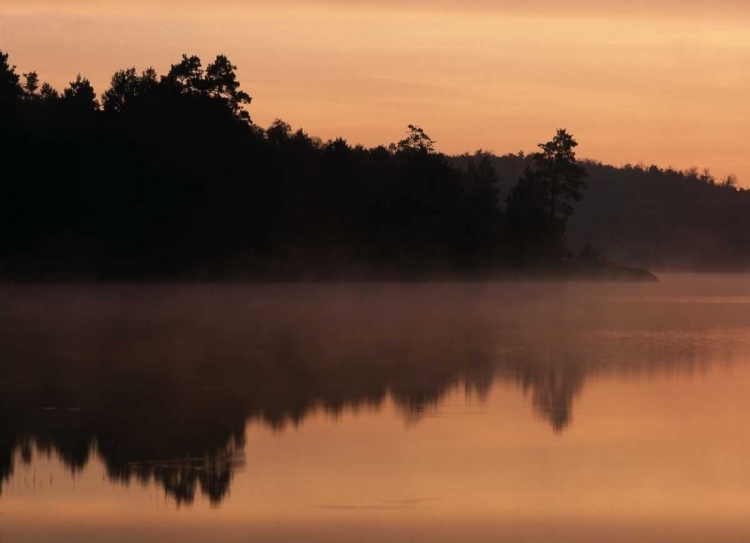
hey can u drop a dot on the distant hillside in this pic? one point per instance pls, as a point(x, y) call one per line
point(662, 219)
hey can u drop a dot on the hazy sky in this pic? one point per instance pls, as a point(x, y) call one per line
point(658, 81)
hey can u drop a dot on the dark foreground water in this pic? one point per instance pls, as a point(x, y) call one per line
point(439, 412)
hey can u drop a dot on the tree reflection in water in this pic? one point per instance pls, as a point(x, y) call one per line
point(160, 382)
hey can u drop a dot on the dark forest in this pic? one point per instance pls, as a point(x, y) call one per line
point(167, 177)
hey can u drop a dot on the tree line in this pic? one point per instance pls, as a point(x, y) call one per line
point(164, 175)
point(168, 176)
point(659, 218)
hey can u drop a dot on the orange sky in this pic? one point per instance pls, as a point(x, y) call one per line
point(661, 82)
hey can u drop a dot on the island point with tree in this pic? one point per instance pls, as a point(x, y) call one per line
point(167, 177)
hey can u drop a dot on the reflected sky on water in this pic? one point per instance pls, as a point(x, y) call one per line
point(409, 412)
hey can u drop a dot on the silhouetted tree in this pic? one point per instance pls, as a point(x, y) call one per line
point(128, 86)
point(31, 86)
point(481, 237)
point(81, 95)
point(218, 81)
point(533, 232)
point(416, 141)
point(538, 207)
point(10, 86)
point(47, 92)
point(561, 177)
point(221, 82)
point(187, 75)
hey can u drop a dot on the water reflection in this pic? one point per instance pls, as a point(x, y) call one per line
point(160, 382)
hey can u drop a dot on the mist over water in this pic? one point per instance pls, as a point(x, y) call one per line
point(303, 411)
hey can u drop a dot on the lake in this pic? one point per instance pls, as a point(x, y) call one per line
point(480, 412)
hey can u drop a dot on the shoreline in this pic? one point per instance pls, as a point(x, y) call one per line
point(571, 272)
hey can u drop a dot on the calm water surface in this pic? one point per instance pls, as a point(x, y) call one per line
point(437, 412)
